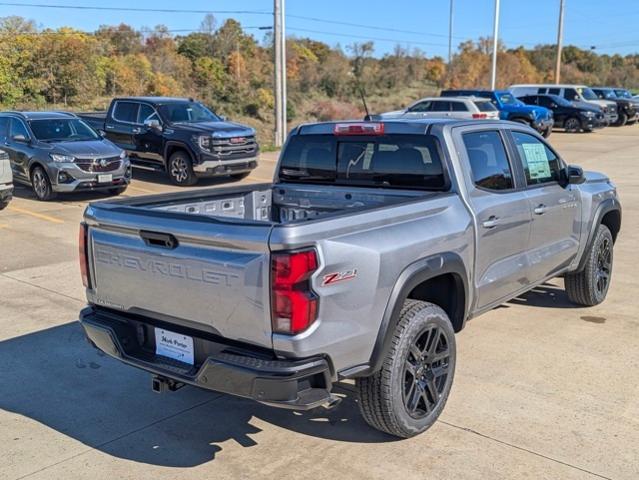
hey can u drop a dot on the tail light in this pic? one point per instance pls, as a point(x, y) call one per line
point(293, 302)
point(84, 257)
point(480, 115)
point(366, 128)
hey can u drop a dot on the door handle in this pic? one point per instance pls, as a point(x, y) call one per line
point(136, 130)
point(492, 222)
point(540, 209)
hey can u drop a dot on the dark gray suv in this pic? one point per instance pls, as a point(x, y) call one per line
point(55, 152)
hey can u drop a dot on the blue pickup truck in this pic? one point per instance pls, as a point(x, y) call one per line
point(510, 108)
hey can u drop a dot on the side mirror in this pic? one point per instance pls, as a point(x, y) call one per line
point(574, 175)
point(224, 118)
point(153, 124)
point(102, 133)
point(20, 138)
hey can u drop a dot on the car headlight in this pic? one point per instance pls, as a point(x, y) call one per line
point(62, 158)
point(588, 114)
point(122, 155)
point(205, 142)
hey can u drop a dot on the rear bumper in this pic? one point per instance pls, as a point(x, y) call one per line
point(297, 384)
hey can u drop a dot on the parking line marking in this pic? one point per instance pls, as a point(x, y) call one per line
point(41, 216)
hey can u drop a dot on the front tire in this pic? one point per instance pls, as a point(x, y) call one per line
point(546, 133)
point(622, 120)
point(41, 185)
point(180, 169)
point(572, 125)
point(590, 286)
point(408, 393)
point(3, 205)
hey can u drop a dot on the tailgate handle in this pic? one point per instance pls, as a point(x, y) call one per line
point(157, 239)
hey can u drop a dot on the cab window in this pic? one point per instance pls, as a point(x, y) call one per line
point(571, 94)
point(17, 128)
point(146, 113)
point(540, 163)
point(488, 160)
point(126, 112)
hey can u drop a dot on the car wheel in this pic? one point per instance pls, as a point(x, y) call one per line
point(590, 286)
point(572, 125)
point(621, 120)
point(3, 205)
point(546, 133)
point(180, 169)
point(408, 393)
point(41, 185)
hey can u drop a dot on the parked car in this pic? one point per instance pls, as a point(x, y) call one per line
point(435, 107)
point(375, 243)
point(57, 152)
point(6, 180)
point(628, 110)
point(571, 116)
point(572, 93)
point(179, 136)
point(625, 93)
point(510, 108)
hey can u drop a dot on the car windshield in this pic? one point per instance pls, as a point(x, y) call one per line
point(610, 94)
point(188, 112)
point(62, 130)
point(508, 99)
point(587, 93)
point(623, 93)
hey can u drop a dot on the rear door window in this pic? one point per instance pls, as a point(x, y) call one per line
point(554, 91)
point(459, 107)
point(489, 163)
point(126, 112)
point(571, 94)
point(17, 128)
point(540, 163)
point(440, 106)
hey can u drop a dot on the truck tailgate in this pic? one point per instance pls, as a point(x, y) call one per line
point(199, 272)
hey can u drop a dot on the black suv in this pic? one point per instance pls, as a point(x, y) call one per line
point(627, 107)
point(58, 152)
point(571, 116)
point(179, 136)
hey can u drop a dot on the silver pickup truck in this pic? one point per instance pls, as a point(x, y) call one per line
point(374, 244)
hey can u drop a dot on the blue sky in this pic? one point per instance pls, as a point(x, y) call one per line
point(609, 26)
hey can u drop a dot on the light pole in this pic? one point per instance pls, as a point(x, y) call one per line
point(279, 71)
point(493, 78)
point(560, 40)
point(450, 34)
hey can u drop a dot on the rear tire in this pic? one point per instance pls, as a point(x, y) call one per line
point(3, 205)
point(408, 393)
point(41, 185)
point(590, 286)
point(180, 169)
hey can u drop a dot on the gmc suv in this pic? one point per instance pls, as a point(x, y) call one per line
point(374, 244)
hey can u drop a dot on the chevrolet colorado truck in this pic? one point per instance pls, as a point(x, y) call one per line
point(178, 136)
point(373, 246)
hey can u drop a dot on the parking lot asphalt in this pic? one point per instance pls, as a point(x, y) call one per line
point(543, 390)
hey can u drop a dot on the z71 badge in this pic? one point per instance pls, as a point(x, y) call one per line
point(336, 277)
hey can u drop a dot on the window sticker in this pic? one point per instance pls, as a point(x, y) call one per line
point(537, 160)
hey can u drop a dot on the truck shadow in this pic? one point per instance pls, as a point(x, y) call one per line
point(162, 178)
point(546, 295)
point(56, 378)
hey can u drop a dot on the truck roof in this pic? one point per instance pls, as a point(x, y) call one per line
point(155, 99)
point(403, 126)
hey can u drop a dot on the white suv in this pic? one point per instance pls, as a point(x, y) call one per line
point(463, 108)
point(6, 180)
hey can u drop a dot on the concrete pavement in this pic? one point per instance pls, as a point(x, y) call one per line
point(543, 390)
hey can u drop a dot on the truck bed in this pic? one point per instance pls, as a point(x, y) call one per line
point(275, 203)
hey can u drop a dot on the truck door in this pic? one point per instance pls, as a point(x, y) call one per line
point(501, 213)
point(556, 209)
point(121, 123)
point(148, 141)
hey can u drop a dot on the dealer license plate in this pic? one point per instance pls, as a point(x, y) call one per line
point(174, 345)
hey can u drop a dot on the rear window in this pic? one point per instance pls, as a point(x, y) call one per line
point(485, 106)
point(401, 161)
